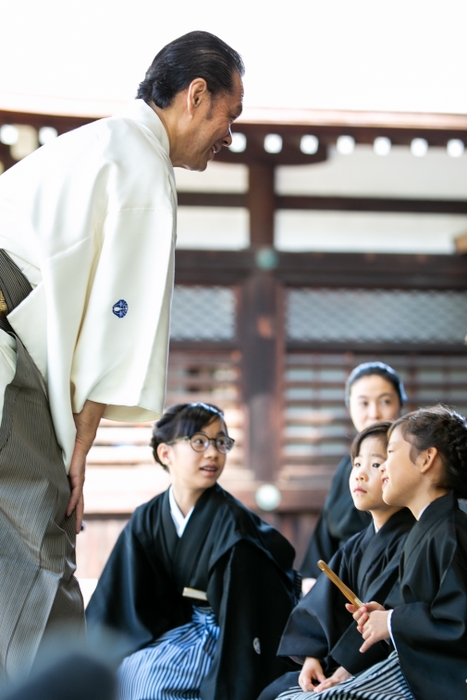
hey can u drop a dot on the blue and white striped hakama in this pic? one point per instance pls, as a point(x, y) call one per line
point(174, 666)
point(383, 681)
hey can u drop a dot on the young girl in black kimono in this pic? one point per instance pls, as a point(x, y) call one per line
point(426, 471)
point(200, 585)
point(320, 633)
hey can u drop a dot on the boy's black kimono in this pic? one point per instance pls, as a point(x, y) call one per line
point(320, 625)
point(243, 564)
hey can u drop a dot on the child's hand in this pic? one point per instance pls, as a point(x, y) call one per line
point(361, 615)
point(311, 671)
point(375, 629)
point(338, 676)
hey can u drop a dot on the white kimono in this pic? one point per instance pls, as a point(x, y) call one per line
point(90, 219)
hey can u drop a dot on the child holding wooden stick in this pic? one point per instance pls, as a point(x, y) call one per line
point(426, 471)
point(320, 633)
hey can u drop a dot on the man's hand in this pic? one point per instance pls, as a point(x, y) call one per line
point(339, 675)
point(86, 423)
point(311, 671)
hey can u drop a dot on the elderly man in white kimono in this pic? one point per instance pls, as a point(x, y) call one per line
point(87, 237)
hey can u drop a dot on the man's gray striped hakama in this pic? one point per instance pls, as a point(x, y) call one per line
point(37, 558)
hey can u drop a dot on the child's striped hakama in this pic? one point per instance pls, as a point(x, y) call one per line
point(383, 681)
point(174, 666)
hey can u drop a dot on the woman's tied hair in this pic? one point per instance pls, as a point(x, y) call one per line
point(369, 369)
point(441, 427)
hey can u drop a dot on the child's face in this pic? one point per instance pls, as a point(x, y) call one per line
point(399, 474)
point(191, 470)
point(365, 478)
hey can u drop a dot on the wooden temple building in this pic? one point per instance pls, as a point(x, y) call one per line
point(269, 333)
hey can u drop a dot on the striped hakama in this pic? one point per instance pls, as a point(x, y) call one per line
point(38, 590)
point(174, 666)
point(383, 681)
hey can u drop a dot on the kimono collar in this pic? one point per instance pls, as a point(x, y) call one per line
point(438, 508)
point(143, 113)
point(180, 521)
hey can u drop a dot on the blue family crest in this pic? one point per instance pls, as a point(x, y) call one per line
point(120, 308)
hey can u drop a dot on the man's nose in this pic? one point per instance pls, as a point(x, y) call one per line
point(227, 140)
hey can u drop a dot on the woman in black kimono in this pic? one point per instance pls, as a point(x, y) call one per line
point(201, 586)
point(426, 471)
point(373, 392)
point(320, 633)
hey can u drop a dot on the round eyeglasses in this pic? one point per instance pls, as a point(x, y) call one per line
point(200, 442)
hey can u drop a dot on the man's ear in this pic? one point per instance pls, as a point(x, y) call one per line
point(197, 94)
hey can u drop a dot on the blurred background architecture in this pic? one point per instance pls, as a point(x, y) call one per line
point(330, 233)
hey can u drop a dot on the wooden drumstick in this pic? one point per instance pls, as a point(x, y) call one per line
point(350, 595)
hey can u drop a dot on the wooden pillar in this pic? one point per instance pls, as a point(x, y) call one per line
point(261, 205)
point(261, 339)
point(261, 336)
point(5, 157)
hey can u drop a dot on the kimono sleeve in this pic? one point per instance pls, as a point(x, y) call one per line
point(318, 621)
point(120, 357)
point(252, 599)
point(431, 638)
point(134, 595)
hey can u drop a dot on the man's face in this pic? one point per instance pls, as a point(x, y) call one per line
point(210, 128)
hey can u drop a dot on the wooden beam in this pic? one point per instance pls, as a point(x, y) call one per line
point(294, 119)
point(392, 348)
point(375, 204)
point(62, 123)
point(371, 270)
point(364, 270)
point(352, 119)
point(212, 199)
point(211, 267)
point(325, 203)
point(291, 125)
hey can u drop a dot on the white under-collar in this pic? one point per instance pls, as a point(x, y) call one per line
point(423, 510)
point(180, 521)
